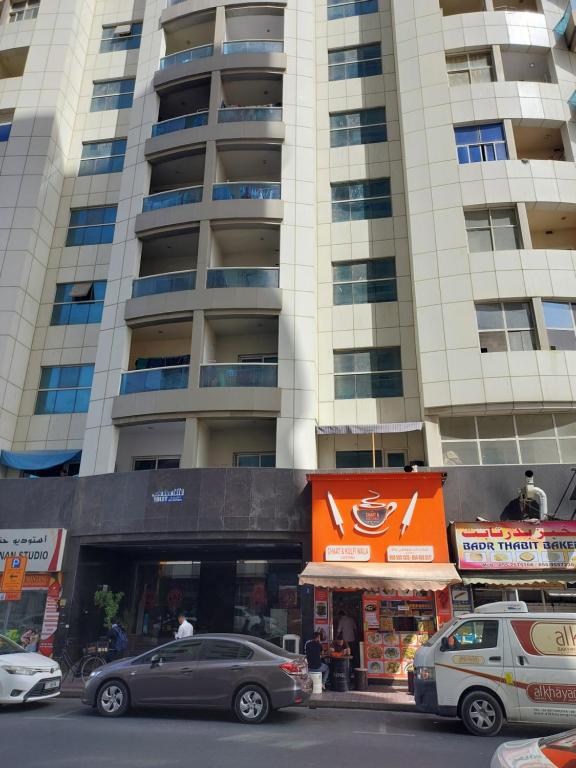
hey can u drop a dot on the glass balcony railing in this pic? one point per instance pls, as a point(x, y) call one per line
point(180, 123)
point(239, 375)
point(167, 283)
point(253, 46)
point(243, 277)
point(183, 57)
point(247, 190)
point(171, 198)
point(248, 114)
point(154, 379)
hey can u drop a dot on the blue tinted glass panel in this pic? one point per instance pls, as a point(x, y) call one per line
point(466, 134)
point(557, 314)
point(492, 132)
point(5, 129)
point(489, 152)
point(357, 459)
point(475, 154)
point(501, 152)
point(463, 155)
point(268, 460)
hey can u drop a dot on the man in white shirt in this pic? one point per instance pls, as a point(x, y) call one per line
point(185, 629)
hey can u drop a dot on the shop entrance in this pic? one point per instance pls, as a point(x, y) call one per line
point(250, 589)
point(347, 616)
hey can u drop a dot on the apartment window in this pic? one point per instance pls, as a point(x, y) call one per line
point(368, 373)
point(340, 9)
point(28, 9)
point(257, 358)
point(364, 282)
point(78, 303)
point(357, 459)
point(481, 143)
point(348, 63)
point(91, 226)
point(368, 126)
point(524, 439)
point(102, 157)
point(560, 317)
point(157, 462)
point(267, 460)
point(506, 325)
point(354, 200)
point(64, 389)
point(5, 128)
point(492, 229)
point(470, 68)
point(121, 37)
point(112, 94)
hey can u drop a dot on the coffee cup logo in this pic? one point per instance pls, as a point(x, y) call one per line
point(371, 515)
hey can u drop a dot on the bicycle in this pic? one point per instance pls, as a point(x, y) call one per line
point(92, 658)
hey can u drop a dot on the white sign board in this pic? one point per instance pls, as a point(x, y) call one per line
point(44, 547)
point(352, 554)
point(410, 554)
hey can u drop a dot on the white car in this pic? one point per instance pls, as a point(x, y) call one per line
point(26, 676)
point(551, 752)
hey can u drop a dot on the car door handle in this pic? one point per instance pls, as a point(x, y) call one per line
point(494, 658)
point(237, 668)
point(521, 660)
point(186, 671)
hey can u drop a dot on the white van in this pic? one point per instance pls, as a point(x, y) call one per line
point(498, 663)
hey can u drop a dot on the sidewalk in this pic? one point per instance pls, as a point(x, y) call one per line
point(392, 699)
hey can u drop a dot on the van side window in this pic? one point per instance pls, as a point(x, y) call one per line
point(474, 635)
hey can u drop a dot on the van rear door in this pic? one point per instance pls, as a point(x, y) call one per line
point(544, 658)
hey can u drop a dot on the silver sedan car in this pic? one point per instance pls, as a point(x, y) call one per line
point(550, 752)
point(248, 675)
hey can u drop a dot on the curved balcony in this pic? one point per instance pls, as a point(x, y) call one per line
point(247, 190)
point(248, 114)
point(499, 27)
point(239, 375)
point(172, 282)
point(154, 379)
point(231, 47)
point(180, 123)
point(172, 198)
point(184, 57)
point(243, 277)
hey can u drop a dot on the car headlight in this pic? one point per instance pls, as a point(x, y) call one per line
point(425, 673)
point(13, 670)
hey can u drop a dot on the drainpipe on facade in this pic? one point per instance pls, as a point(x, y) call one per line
point(532, 492)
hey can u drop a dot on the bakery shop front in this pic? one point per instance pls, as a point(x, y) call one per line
point(530, 561)
point(381, 570)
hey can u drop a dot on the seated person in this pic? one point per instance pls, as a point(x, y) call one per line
point(313, 651)
point(339, 648)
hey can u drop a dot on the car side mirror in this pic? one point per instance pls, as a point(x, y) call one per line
point(156, 661)
point(444, 644)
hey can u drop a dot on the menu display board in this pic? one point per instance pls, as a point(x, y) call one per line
point(322, 613)
point(516, 546)
point(395, 625)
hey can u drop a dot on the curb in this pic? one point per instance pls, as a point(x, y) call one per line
point(373, 705)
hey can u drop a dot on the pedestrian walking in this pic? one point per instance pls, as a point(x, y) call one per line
point(185, 629)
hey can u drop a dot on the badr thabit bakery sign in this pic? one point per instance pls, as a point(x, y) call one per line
point(549, 544)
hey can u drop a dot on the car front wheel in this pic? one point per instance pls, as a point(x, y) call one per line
point(251, 704)
point(113, 699)
point(482, 713)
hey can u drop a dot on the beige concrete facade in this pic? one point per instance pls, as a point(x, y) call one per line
point(222, 277)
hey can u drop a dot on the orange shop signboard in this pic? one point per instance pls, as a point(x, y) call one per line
point(380, 518)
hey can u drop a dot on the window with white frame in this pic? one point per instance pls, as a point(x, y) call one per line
point(341, 9)
point(364, 282)
point(506, 326)
point(349, 63)
point(25, 9)
point(480, 143)
point(112, 94)
point(470, 68)
point(266, 459)
point(560, 318)
point(64, 389)
point(492, 229)
point(156, 462)
point(365, 126)
point(368, 373)
point(355, 200)
point(102, 157)
point(121, 37)
point(523, 439)
point(258, 358)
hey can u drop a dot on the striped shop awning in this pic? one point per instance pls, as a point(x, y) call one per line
point(391, 427)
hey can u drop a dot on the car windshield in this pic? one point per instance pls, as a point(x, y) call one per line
point(9, 646)
point(565, 741)
point(444, 628)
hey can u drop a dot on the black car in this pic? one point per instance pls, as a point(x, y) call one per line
point(221, 671)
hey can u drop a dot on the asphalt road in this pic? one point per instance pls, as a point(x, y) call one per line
point(65, 734)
